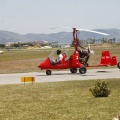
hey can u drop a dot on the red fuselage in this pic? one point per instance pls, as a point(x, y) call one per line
point(72, 62)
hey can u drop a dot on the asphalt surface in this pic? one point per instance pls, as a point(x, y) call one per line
point(60, 76)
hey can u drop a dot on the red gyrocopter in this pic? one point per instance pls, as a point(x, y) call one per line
point(74, 63)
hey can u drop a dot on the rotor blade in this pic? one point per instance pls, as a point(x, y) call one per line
point(61, 27)
point(54, 28)
point(93, 31)
point(82, 30)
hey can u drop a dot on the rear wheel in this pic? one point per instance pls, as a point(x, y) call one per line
point(73, 70)
point(82, 70)
point(118, 65)
point(48, 72)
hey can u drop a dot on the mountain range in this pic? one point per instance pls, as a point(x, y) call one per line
point(60, 37)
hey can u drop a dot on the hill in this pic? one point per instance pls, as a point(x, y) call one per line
point(61, 37)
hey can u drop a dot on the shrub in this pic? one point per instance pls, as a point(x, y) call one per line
point(100, 89)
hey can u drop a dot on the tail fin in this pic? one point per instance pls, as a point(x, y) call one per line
point(106, 59)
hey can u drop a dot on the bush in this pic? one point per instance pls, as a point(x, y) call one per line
point(101, 89)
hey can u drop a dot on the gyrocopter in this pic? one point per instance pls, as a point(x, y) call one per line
point(79, 59)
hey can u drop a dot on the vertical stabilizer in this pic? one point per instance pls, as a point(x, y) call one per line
point(105, 58)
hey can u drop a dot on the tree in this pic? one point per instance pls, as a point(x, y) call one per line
point(114, 39)
point(2, 45)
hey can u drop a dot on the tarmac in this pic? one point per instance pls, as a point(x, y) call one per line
point(58, 76)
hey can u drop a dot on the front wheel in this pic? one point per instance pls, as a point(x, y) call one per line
point(48, 72)
point(82, 70)
point(118, 65)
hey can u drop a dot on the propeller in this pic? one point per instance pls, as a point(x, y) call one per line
point(91, 51)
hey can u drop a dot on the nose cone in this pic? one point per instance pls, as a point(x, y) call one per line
point(39, 66)
point(45, 64)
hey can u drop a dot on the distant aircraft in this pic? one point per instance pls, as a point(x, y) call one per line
point(1, 52)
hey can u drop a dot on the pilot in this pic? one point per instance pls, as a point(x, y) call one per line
point(84, 56)
point(59, 59)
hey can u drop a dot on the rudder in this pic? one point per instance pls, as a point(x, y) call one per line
point(114, 61)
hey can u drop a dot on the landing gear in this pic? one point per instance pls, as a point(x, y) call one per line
point(48, 72)
point(82, 70)
point(118, 65)
point(73, 70)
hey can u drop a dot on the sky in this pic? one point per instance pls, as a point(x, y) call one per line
point(37, 16)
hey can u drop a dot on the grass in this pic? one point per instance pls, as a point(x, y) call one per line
point(58, 101)
point(21, 60)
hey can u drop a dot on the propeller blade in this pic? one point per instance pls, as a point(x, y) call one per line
point(92, 52)
point(89, 46)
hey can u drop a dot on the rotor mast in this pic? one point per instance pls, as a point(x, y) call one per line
point(75, 37)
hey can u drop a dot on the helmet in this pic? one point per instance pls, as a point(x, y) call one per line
point(58, 52)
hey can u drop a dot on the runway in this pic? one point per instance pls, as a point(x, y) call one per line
point(60, 76)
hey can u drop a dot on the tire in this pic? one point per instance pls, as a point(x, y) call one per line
point(48, 72)
point(82, 70)
point(73, 70)
point(118, 65)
